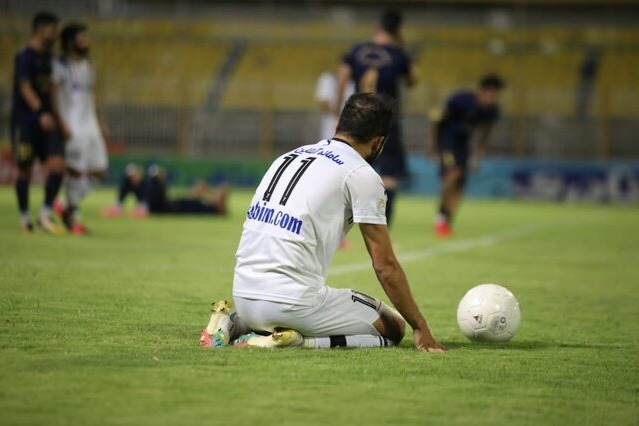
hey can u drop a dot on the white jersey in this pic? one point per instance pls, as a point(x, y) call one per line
point(307, 201)
point(326, 91)
point(76, 103)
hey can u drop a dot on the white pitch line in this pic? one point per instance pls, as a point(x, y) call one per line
point(447, 248)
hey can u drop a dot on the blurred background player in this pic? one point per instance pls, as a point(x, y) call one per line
point(465, 113)
point(151, 193)
point(86, 154)
point(326, 98)
point(34, 127)
point(379, 66)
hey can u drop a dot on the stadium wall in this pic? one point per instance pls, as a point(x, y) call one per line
point(585, 181)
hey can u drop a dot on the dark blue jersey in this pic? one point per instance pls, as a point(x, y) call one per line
point(378, 68)
point(34, 67)
point(462, 115)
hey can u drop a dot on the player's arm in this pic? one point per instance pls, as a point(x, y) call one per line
point(55, 109)
point(343, 76)
point(56, 86)
point(483, 141)
point(393, 280)
point(485, 133)
point(30, 96)
point(104, 129)
point(325, 106)
point(46, 119)
point(435, 116)
point(412, 78)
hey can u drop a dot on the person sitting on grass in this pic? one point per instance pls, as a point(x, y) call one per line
point(306, 203)
point(151, 193)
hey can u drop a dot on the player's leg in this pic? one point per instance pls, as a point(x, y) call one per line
point(218, 198)
point(449, 200)
point(23, 155)
point(451, 174)
point(224, 326)
point(157, 192)
point(208, 202)
point(131, 182)
point(391, 184)
point(191, 206)
point(353, 319)
point(86, 162)
point(457, 192)
point(392, 167)
point(339, 317)
point(75, 167)
point(51, 153)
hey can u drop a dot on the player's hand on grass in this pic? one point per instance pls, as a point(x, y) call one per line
point(47, 122)
point(425, 342)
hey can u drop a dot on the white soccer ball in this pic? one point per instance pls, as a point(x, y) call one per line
point(489, 313)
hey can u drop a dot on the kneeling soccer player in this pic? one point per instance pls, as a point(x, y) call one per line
point(307, 201)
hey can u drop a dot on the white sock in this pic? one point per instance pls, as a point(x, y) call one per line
point(74, 190)
point(24, 219)
point(45, 213)
point(87, 184)
point(358, 341)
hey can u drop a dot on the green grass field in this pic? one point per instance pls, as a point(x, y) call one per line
point(104, 329)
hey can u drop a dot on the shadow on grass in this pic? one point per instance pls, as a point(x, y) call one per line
point(523, 345)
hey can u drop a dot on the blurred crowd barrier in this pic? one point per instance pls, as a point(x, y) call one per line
point(220, 89)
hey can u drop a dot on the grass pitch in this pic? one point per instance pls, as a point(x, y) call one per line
point(104, 329)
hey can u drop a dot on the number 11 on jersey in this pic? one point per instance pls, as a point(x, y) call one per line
point(305, 164)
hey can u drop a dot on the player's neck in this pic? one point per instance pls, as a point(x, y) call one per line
point(74, 56)
point(383, 38)
point(360, 148)
point(36, 44)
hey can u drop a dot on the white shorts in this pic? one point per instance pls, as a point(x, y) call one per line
point(338, 312)
point(86, 153)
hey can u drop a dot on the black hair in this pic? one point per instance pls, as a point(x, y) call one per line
point(391, 21)
point(367, 115)
point(492, 81)
point(43, 19)
point(69, 33)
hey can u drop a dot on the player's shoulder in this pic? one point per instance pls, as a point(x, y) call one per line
point(463, 95)
point(396, 50)
point(59, 61)
point(363, 174)
point(462, 99)
point(25, 52)
point(361, 46)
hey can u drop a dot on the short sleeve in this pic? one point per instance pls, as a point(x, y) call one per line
point(456, 106)
point(349, 58)
point(367, 196)
point(23, 66)
point(455, 103)
point(57, 73)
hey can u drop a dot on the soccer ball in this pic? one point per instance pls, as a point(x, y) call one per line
point(489, 313)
